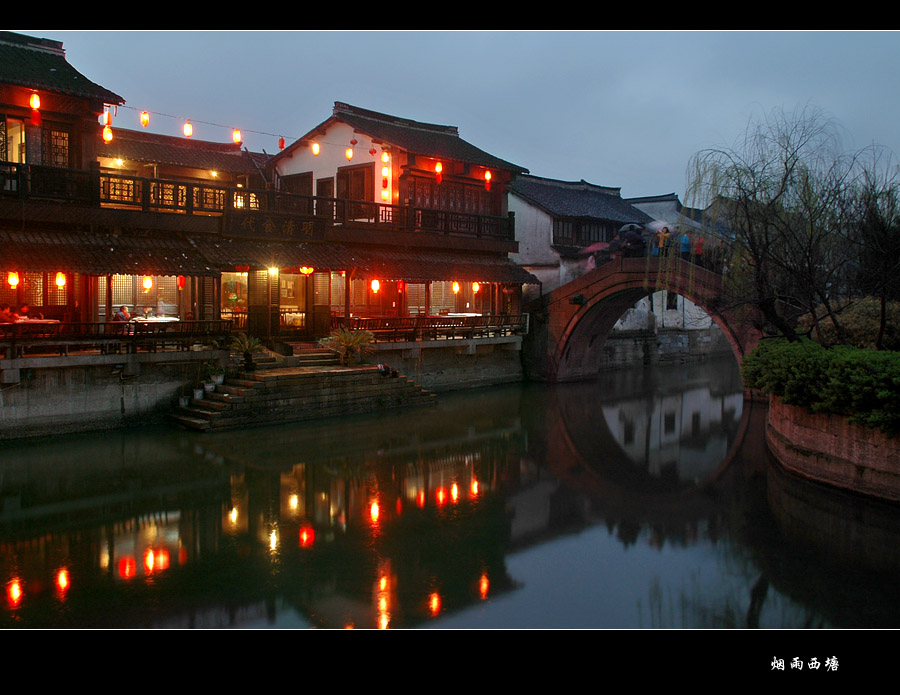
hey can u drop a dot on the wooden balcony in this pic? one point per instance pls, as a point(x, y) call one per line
point(274, 210)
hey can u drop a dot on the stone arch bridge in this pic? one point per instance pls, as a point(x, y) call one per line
point(571, 323)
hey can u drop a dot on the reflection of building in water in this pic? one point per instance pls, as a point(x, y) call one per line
point(682, 433)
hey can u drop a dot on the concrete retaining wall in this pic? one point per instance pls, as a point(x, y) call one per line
point(72, 394)
point(829, 449)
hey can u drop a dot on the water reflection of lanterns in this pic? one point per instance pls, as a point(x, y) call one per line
point(454, 492)
point(374, 511)
point(484, 585)
point(307, 537)
point(441, 496)
point(62, 580)
point(127, 567)
point(233, 515)
point(420, 499)
point(156, 560)
point(14, 592)
point(273, 540)
point(474, 488)
point(434, 603)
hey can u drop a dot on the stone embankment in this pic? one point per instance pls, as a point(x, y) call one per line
point(829, 449)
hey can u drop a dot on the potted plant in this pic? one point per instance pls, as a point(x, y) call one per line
point(214, 372)
point(246, 345)
point(345, 343)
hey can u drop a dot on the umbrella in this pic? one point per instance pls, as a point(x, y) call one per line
point(628, 227)
point(599, 246)
point(657, 224)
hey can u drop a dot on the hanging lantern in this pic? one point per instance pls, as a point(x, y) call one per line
point(385, 157)
point(475, 287)
point(384, 194)
point(455, 287)
point(373, 152)
point(241, 268)
point(315, 149)
point(236, 136)
point(145, 119)
point(180, 282)
point(34, 101)
point(105, 118)
point(107, 134)
point(188, 129)
point(148, 283)
point(375, 286)
point(438, 168)
point(354, 142)
point(400, 285)
point(281, 143)
point(60, 280)
point(349, 153)
point(306, 270)
point(487, 180)
point(35, 118)
point(13, 279)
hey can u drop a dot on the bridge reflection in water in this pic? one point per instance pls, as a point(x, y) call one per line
point(505, 507)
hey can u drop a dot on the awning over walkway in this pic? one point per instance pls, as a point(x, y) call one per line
point(128, 252)
point(149, 253)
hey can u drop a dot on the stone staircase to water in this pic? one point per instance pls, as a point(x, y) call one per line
point(312, 386)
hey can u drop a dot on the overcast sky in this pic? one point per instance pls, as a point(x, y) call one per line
point(621, 109)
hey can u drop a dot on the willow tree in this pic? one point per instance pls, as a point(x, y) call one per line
point(782, 192)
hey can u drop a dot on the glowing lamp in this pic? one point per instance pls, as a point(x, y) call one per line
point(107, 134)
point(384, 194)
point(60, 279)
point(455, 288)
point(385, 172)
point(434, 603)
point(280, 143)
point(374, 511)
point(13, 279)
point(315, 149)
point(180, 282)
point(105, 118)
point(438, 168)
point(14, 592)
point(375, 285)
point(487, 180)
point(188, 129)
point(236, 136)
point(273, 271)
point(34, 101)
point(62, 580)
point(145, 119)
point(476, 287)
point(306, 270)
point(385, 157)
point(148, 283)
point(349, 153)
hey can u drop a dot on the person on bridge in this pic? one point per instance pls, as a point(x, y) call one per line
point(685, 246)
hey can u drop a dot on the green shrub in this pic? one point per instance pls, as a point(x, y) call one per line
point(862, 385)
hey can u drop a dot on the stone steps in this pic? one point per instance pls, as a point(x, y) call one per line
point(291, 394)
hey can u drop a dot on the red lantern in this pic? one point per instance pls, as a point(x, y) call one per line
point(60, 280)
point(180, 282)
point(242, 268)
point(145, 119)
point(373, 152)
point(107, 134)
point(34, 101)
point(487, 180)
point(236, 136)
point(438, 168)
point(354, 142)
point(188, 129)
point(315, 149)
point(306, 270)
point(455, 288)
point(375, 286)
point(280, 143)
point(13, 279)
point(475, 287)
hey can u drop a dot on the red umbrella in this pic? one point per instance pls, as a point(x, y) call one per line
point(599, 246)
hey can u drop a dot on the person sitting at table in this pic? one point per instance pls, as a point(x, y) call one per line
point(6, 316)
point(25, 313)
point(122, 314)
point(148, 312)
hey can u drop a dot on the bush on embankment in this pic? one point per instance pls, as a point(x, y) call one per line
point(862, 385)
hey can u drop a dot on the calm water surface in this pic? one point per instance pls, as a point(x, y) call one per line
point(642, 500)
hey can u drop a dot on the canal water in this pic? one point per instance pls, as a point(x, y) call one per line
point(642, 500)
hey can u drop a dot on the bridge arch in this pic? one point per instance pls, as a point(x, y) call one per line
point(577, 317)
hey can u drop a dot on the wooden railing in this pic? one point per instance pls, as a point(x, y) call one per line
point(192, 197)
point(416, 328)
point(15, 338)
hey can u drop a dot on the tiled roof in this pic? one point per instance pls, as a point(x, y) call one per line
point(41, 64)
point(577, 199)
point(101, 253)
point(140, 146)
point(426, 139)
point(172, 254)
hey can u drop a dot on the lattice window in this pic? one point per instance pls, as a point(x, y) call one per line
point(56, 295)
point(337, 293)
point(415, 298)
point(3, 157)
point(442, 297)
point(321, 289)
point(118, 189)
point(33, 289)
point(55, 148)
